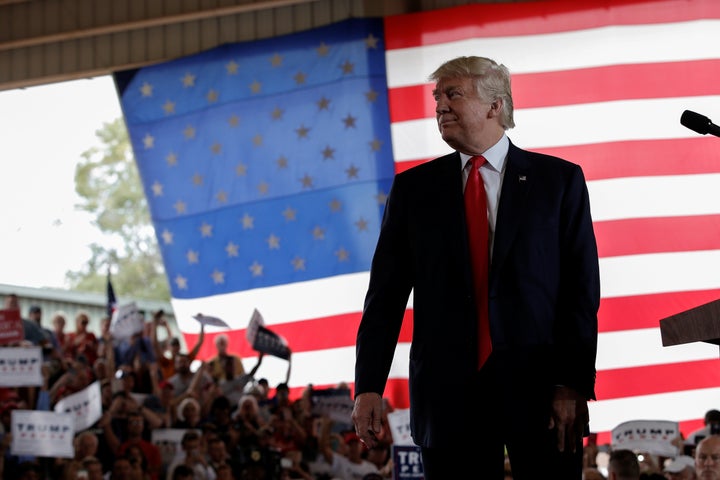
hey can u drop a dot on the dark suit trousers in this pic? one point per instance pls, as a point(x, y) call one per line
point(509, 414)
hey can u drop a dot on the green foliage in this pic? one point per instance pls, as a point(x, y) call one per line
point(108, 182)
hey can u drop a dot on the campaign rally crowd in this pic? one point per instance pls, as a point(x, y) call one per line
point(157, 418)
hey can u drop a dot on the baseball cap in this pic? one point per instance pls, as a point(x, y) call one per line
point(679, 463)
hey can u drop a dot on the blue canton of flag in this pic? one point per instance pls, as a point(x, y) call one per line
point(264, 163)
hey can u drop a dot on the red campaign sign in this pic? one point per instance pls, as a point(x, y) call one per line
point(11, 327)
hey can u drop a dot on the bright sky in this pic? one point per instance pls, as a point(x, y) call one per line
point(43, 132)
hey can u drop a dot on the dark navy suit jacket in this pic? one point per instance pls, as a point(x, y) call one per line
point(544, 289)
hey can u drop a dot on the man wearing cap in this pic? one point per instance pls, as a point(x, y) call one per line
point(680, 468)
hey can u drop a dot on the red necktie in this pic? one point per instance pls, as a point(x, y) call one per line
point(476, 218)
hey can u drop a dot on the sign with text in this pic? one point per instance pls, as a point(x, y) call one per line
point(264, 340)
point(85, 406)
point(399, 421)
point(36, 431)
point(407, 464)
point(652, 436)
point(126, 321)
point(21, 366)
point(336, 403)
point(11, 327)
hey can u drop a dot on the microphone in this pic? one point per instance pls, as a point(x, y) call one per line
point(699, 123)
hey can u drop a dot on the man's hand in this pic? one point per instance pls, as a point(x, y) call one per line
point(569, 416)
point(367, 417)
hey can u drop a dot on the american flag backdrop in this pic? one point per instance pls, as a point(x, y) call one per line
point(266, 165)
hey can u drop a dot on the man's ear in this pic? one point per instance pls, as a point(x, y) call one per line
point(495, 108)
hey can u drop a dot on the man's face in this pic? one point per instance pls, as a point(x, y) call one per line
point(182, 364)
point(707, 458)
point(135, 424)
point(462, 116)
point(216, 451)
point(683, 475)
point(221, 344)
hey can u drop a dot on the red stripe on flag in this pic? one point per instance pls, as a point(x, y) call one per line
point(682, 156)
point(646, 311)
point(648, 81)
point(570, 87)
point(653, 379)
point(302, 335)
point(615, 314)
point(533, 18)
point(661, 234)
point(640, 158)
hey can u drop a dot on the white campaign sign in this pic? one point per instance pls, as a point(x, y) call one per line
point(48, 433)
point(85, 406)
point(20, 366)
point(126, 321)
point(399, 421)
point(651, 436)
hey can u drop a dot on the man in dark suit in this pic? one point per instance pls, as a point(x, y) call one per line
point(542, 294)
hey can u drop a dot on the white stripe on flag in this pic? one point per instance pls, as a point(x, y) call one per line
point(615, 45)
point(654, 196)
point(643, 347)
point(659, 273)
point(676, 406)
point(314, 299)
point(580, 124)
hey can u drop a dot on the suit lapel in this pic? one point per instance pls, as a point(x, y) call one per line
point(513, 200)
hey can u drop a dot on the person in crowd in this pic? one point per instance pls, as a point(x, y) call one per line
point(85, 444)
point(77, 377)
point(137, 353)
point(380, 456)
point(347, 461)
point(138, 462)
point(707, 458)
point(167, 350)
point(711, 426)
point(93, 467)
point(48, 343)
point(230, 383)
point(247, 423)
point(288, 433)
point(220, 417)
point(122, 469)
point(217, 454)
point(623, 465)
point(294, 466)
point(82, 341)
point(136, 437)
point(70, 469)
point(183, 472)
point(105, 338)
point(188, 414)
point(225, 472)
point(681, 467)
point(184, 380)
point(224, 365)
point(192, 457)
point(497, 242)
point(58, 324)
point(589, 473)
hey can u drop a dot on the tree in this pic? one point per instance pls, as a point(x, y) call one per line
point(108, 183)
